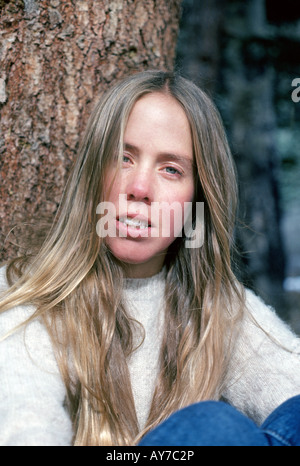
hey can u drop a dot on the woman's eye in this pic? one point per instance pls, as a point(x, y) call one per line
point(126, 158)
point(173, 171)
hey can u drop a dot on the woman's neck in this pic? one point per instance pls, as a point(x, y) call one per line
point(145, 270)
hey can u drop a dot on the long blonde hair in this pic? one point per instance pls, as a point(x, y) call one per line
point(76, 284)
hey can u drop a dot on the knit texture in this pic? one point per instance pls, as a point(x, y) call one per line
point(261, 373)
point(144, 299)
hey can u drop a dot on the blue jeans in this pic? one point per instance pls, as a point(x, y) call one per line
point(214, 423)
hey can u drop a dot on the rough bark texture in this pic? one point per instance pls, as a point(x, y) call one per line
point(55, 57)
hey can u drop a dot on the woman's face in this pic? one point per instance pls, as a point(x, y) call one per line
point(156, 173)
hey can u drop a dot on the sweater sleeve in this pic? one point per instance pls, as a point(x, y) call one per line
point(264, 370)
point(32, 393)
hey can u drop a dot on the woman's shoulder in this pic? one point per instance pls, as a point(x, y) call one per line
point(15, 315)
point(30, 381)
point(261, 319)
point(24, 335)
point(264, 368)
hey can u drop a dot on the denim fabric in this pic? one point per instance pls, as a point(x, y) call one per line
point(282, 427)
point(212, 423)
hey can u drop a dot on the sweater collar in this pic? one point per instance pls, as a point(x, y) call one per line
point(145, 288)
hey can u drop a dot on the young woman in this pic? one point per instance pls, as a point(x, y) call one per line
point(113, 325)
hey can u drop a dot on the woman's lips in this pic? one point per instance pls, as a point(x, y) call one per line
point(133, 226)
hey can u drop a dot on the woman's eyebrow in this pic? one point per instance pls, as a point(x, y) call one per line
point(181, 159)
point(131, 147)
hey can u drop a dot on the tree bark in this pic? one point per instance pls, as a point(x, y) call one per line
point(55, 57)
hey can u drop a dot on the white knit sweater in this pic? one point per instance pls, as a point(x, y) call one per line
point(261, 375)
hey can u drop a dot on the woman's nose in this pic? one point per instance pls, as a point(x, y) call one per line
point(139, 186)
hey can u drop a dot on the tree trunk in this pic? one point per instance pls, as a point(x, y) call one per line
point(55, 57)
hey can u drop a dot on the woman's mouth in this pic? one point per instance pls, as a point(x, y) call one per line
point(134, 222)
point(133, 226)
